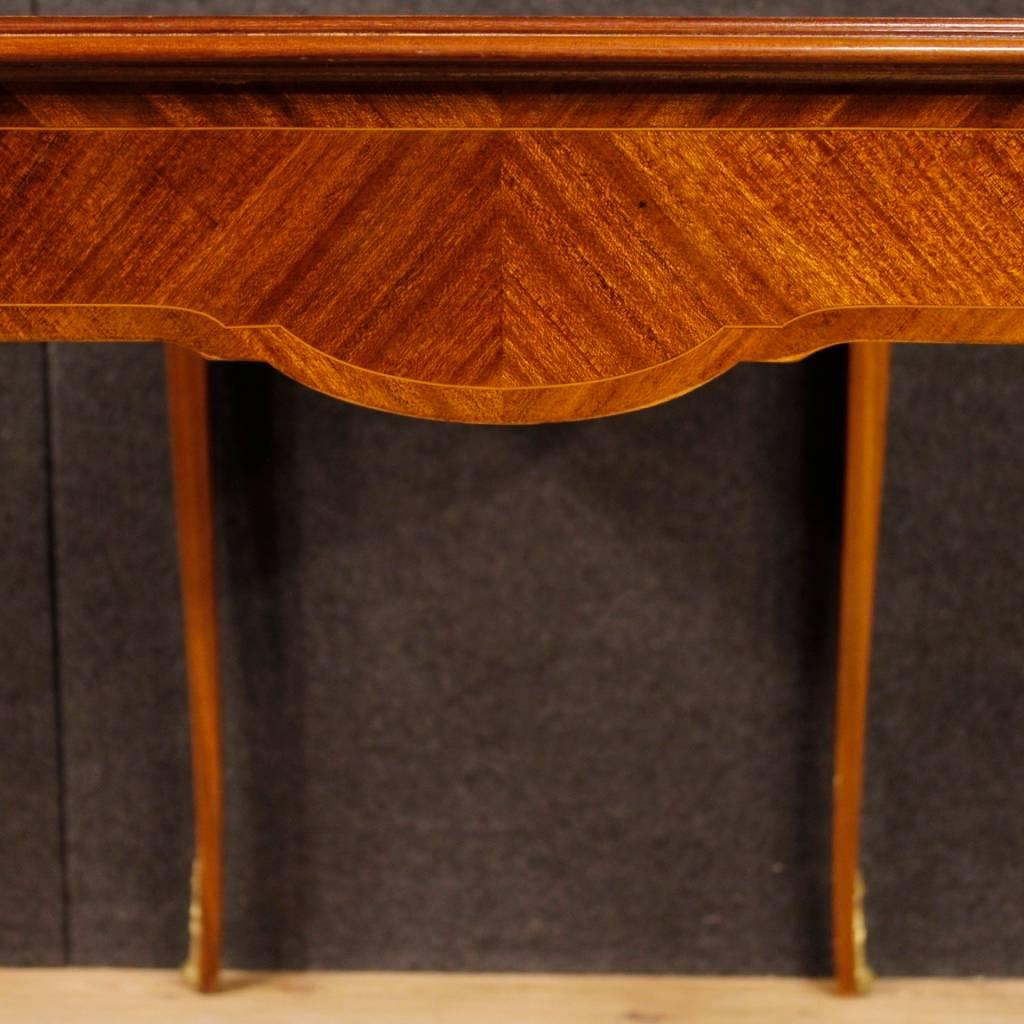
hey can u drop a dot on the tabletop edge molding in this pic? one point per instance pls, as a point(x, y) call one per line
point(484, 47)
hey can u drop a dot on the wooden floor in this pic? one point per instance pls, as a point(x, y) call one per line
point(160, 997)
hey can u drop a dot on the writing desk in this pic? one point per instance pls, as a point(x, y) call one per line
point(513, 221)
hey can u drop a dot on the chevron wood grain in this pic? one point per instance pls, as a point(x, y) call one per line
point(513, 275)
point(514, 221)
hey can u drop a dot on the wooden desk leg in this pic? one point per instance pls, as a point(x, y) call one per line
point(868, 399)
point(190, 448)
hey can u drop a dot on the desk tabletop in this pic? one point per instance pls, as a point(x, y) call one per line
point(511, 220)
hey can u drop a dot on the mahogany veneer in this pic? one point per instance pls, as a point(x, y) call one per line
point(513, 221)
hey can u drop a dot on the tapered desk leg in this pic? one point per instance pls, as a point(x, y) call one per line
point(868, 399)
point(190, 449)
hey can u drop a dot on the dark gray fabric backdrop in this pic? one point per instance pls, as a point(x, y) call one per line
point(550, 698)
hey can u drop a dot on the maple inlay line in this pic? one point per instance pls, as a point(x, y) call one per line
point(510, 130)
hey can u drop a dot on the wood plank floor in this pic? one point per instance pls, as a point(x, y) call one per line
point(159, 997)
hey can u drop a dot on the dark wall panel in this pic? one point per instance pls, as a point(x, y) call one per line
point(945, 812)
point(529, 698)
point(125, 735)
point(495, 698)
point(31, 911)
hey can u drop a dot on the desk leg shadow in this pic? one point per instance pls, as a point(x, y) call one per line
point(867, 407)
point(188, 412)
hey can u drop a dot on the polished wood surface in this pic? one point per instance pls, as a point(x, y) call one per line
point(79, 996)
point(511, 277)
point(188, 415)
point(422, 47)
point(513, 221)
